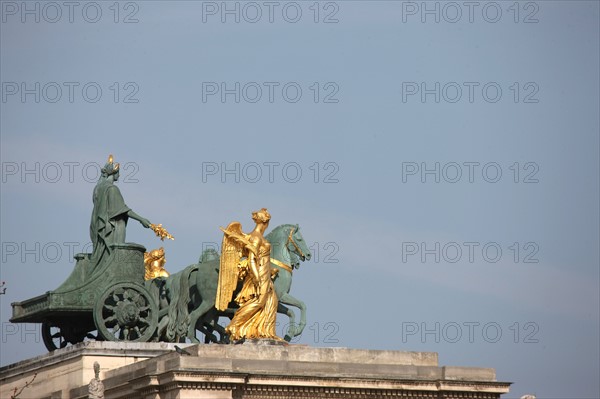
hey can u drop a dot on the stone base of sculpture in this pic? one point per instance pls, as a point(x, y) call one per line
point(263, 342)
point(249, 370)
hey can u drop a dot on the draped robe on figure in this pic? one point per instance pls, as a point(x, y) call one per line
point(258, 308)
point(109, 220)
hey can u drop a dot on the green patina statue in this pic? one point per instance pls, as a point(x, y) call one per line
point(104, 297)
point(110, 215)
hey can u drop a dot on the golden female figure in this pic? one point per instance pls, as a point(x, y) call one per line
point(257, 299)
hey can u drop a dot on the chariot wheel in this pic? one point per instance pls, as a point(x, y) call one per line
point(57, 336)
point(126, 312)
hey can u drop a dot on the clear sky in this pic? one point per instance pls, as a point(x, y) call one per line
point(441, 158)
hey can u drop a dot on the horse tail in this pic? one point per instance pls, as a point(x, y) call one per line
point(183, 301)
point(154, 289)
point(172, 313)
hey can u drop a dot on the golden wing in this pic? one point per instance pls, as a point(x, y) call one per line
point(232, 250)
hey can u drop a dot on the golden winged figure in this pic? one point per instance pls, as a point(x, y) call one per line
point(247, 257)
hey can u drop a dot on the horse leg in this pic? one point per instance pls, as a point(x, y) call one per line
point(195, 315)
point(210, 337)
point(206, 325)
point(207, 329)
point(290, 300)
point(224, 338)
point(291, 332)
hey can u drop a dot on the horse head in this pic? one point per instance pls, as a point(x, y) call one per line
point(288, 245)
point(297, 247)
point(208, 254)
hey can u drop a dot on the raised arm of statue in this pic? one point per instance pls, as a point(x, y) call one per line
point(145, 222)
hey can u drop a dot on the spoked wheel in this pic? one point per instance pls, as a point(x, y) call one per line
point(57, 336)
point(126, 312)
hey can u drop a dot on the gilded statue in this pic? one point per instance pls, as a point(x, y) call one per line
point(154, 263)
point(247, 257)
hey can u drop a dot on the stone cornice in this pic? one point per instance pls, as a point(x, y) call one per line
point(156, 370)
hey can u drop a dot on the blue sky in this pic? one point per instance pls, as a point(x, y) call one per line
point(342, 147)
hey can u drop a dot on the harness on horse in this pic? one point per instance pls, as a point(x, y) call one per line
point(289, 240)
